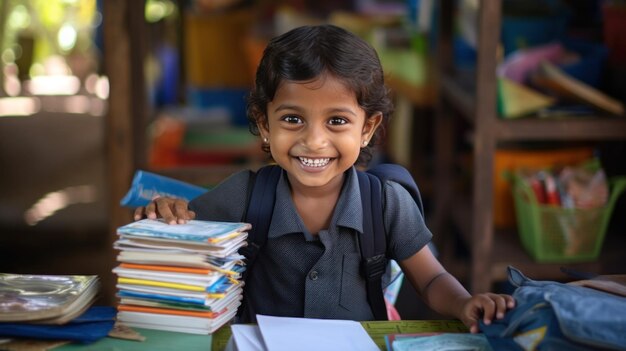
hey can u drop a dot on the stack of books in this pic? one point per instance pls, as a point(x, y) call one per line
point(183, 277)
point(52, 307)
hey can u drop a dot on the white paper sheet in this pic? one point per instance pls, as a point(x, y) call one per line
point(304, 334)
point(247, 337)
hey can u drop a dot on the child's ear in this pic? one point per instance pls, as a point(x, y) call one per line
point(371, 124)
point(261, 123)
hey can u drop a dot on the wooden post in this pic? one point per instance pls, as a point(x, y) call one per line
point(484, 145)
point(443, 131)
point(124, 99)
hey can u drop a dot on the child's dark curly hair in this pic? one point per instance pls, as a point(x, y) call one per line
point(305, 53)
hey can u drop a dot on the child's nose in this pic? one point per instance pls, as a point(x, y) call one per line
point(315, 137)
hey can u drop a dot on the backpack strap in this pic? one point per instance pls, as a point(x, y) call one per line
point(400, 175)
point(260, 207)
point(261, 199)
point(373, 242)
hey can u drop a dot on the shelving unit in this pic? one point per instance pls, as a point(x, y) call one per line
point(475, 100)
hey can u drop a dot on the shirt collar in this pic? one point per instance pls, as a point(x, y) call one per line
point(348, 212)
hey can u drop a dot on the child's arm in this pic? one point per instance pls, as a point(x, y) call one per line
point(172, 210)
point(444, 294)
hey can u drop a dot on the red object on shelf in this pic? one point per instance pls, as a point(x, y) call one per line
point(552, 193)
point(539, 190)
point(614, 29)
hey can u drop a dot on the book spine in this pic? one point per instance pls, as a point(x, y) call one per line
point(148, 267)
point(161, 297)
point(122, 280)
point(168, 311)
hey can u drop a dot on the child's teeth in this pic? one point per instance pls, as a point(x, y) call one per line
point(314, 162)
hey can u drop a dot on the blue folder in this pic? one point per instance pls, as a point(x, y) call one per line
point(94, 324)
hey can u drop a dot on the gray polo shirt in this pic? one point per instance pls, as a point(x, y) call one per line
point(300, 275)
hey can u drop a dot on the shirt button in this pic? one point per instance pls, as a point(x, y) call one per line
point(313, 275)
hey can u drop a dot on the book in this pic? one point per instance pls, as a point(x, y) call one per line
point(45, 299)
point(155, 268)
point(217, 287)
point(437, 341)
point(192, 231)
point(231, 244)
point(170, 311)
point(173, 277)
point(214, 304)
point(178, 259)
point(146, 186)
point(556, 80)
point(184, 278)
point(206, 253)
point(221, 249)
point(390, 338)
point(177, 323)
point(163, 304)
point(163, 297)
point(516, 100)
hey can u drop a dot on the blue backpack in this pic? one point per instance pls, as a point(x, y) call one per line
point(373, 243)
point(555, 316)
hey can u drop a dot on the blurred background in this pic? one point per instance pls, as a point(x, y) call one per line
point(53, 106)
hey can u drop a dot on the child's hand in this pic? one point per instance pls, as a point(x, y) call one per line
point(172, 210)
point(489, 306)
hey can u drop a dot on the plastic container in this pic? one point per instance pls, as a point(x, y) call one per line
point(508, 160)
point(556, 234)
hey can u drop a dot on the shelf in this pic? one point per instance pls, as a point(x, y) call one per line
point(600, 127)
point(511, 252)
point(565, 129)
point(508, 250)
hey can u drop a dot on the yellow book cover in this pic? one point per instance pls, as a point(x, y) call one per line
point(516, 100)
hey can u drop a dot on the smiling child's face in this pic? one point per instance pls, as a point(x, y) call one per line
point(316, 130)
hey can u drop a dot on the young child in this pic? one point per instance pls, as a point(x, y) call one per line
point(318, 104)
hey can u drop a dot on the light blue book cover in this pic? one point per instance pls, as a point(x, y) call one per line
point(438, 342)
point(146, 186)
point(161, 297)
point(194, 230)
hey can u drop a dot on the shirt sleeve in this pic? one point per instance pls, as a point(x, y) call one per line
point(226, 202)
point(406, 230)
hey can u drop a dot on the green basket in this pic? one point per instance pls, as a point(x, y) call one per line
point(556, 234)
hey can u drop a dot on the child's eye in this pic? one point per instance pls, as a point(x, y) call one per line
point(337, 121)
point(292, 119)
